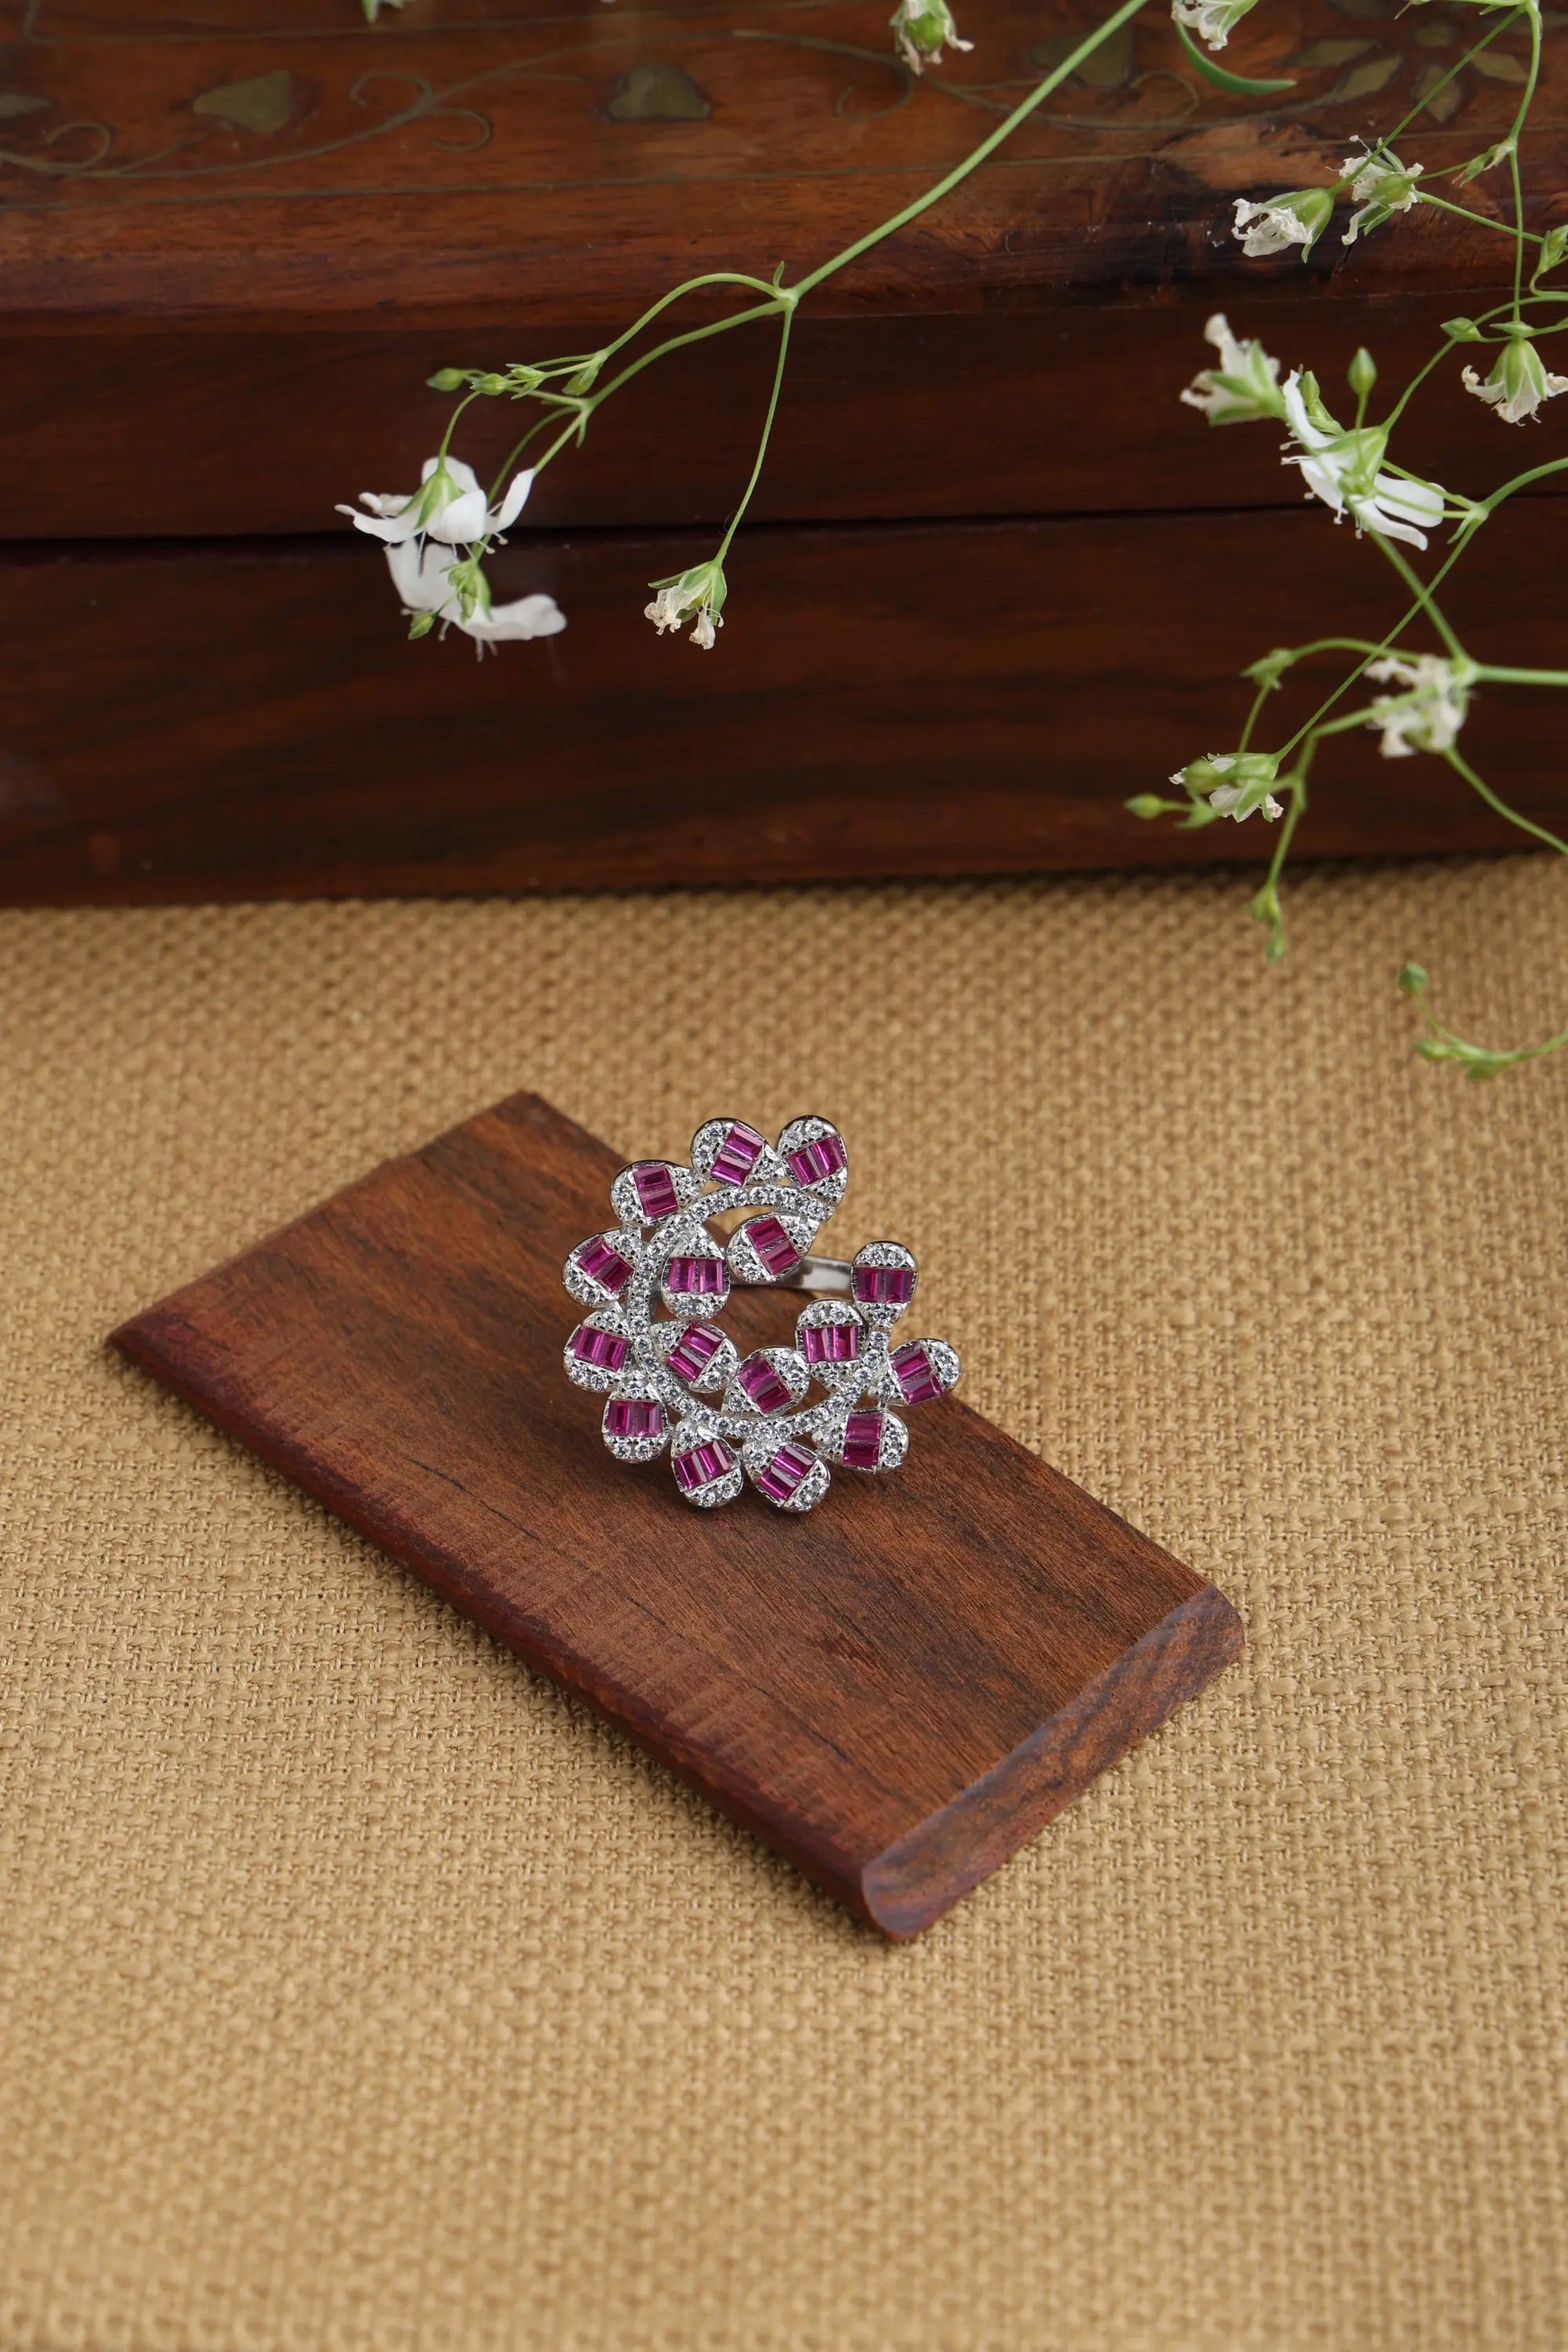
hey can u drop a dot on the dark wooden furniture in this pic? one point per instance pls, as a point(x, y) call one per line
point(998, 580)
point(896, 1693)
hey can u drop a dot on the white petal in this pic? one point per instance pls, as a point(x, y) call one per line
point(511, 506)
point(397, 527)
point(530, 616)
point(460, 521)
point(420, 577)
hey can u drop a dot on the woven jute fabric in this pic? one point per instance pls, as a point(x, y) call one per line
point(358, 1990)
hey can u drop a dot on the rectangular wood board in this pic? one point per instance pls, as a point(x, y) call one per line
point(897, 1692)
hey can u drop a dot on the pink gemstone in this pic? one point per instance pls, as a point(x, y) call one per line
point(772, 1244)
point(915, 1374)
point(702, 1465)
point(863, 1441)
point(884, 1285)
point(692, 1353)
point(813, 1162)
point(831, 1343)
point(704, 1276)
point(605, 1348)
point(633, 1417)
point(783, 1472)
point(655, 1188)
point(762, 1384)
point(738, 1154)
point(602, 1264)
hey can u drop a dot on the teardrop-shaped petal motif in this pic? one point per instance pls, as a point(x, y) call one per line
point(696, 1278)
point(871, 1440)
point(814, 1152)
point(707, 1470)
point(599, 1268)
point(790, 1472)
point(652, 1189)
point(883, 1282)
point(770, 1381)
point(769, 1248)
point(729, 1151)
point(831, 1338)
point(919, 1371)
point(698, 1354)
point(636, 1424)
point(597, 1353)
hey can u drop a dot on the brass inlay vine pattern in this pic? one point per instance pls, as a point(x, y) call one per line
point(269, 112)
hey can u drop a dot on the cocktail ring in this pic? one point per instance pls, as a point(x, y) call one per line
point(659, 1371)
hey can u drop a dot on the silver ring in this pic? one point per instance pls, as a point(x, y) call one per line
point(675, 1379)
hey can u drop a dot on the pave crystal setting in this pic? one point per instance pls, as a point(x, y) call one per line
point(780, 1417)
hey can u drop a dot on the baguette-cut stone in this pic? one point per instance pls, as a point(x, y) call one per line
point(738, 1154)
point(915, 1374)
point(704, 1277)
point(602, 1265)
point(633, 1417)
point(702, 1464)
point(830, 1343)
point(762, 1383)
point(782, 1472)
point(655, 1188)
point(884, 1285)
point(772, 1244)
point(862, 1447)
point(824, 1155)
point(606, 1349)
point(691, 1355)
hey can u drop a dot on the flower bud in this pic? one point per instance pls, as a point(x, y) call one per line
point(445, 380)
point(1362, 373)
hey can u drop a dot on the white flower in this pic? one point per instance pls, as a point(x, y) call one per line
point(920, 30)
point(450, 506)
point(1430, 712)
point(1212, 21)
point(1518, 382)
point(1342, 469)
point(1246, 776)
point(1245, 386)
point(423, 578)
point(696, 595)
point(1383, 186)
point(1299, 218)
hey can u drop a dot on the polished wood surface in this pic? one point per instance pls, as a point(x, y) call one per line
point(896, 1693)
point(211, 721)
point(519, 160)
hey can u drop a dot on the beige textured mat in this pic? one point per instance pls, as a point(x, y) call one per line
point(357, 1991)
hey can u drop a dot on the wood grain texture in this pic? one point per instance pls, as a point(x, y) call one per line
point(516, 160)
point(896, 1693)
point(933, 700)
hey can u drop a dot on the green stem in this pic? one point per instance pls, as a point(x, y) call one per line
point(1425, 600)
point(1477, 784)
point(1526, 96)
point(739, 515)
point(1496, 677)
point(972, 162)
point(1482, 220)
point(1424, 101)
point(1523, 481)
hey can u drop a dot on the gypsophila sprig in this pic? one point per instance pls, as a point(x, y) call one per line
point(1519, 381)
point(1382, 186)
point(1243, 387)
point(1416, 697)
point(1277, 223)
point(1214, 21)
point(922, 29)
point(697, 596)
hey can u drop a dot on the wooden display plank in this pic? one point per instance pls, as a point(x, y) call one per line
point(896, 1693)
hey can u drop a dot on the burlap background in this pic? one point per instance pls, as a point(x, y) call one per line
point(360, 1992)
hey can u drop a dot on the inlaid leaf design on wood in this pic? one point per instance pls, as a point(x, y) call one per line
point(261, 104)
